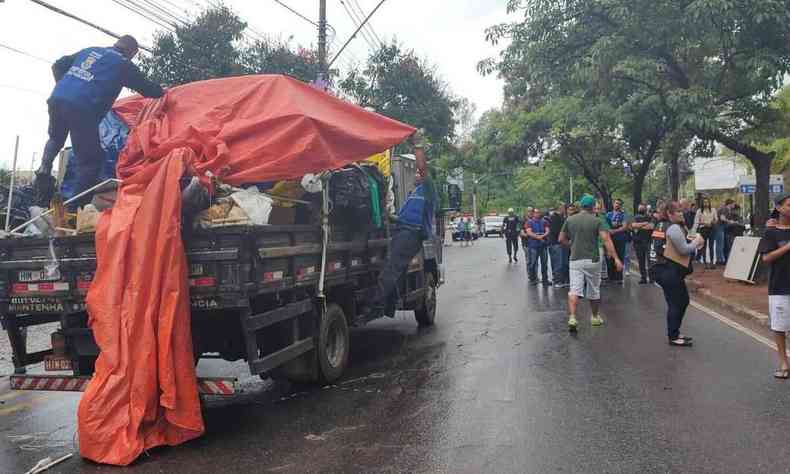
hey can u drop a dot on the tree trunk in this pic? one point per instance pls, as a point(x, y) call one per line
point(674, 178)
point(762, 170)
point(639, 184)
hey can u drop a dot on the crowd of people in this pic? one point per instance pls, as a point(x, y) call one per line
point(584, 245)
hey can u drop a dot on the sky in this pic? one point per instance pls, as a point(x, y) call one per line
point(449, 33)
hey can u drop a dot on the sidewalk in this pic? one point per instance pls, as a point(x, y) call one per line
point(747, 300)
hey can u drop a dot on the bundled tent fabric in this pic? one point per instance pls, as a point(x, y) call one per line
point(241, 129)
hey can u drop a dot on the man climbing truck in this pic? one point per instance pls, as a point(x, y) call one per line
point(87, 84)
point(414, 225)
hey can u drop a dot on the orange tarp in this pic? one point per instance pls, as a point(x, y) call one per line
point(243, 129)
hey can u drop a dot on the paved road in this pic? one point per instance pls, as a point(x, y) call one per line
point(498, 386)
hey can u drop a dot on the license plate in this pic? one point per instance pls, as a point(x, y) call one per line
point(32, 275)
point(195, 269)
point(57, 364)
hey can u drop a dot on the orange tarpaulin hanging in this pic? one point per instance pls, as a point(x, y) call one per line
point(244, 129)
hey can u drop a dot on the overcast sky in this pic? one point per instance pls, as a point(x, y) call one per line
point(449, 33)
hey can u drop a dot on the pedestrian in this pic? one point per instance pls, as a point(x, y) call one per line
point(468, 231)
point(733, 229)
point(673, 264)
point(775, 250)
point(601, 215)
point(86, 85)
point(582, 233)
point(689, 212)
point(537, 231)
point(511, 226)
point(723, 219)
point(527, 216)
point(643, 230)
point(706, 222)
point(460, 227)
point(619, 224)
point(558, 253)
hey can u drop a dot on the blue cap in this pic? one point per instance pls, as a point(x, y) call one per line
point(587, 201)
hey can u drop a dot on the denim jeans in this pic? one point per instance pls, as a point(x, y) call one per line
point(677, 297)
point(718, 237)
point(534, 254)
point(559, 263)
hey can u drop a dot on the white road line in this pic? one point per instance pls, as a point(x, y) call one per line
point(757, 337)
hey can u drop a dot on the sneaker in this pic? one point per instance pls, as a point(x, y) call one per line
point(643, 282)
point(515, 259)
point(558, 285)
point(572, 323)
point(533, 282)
point(510, 260)
point(546, 283)
point(596, 320)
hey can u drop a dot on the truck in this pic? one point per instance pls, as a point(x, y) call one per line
point(254, 294)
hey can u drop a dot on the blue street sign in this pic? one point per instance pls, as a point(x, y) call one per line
point(776, 188)
point(748, 188)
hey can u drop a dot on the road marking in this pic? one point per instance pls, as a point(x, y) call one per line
point(757, 337)
point(10, 395)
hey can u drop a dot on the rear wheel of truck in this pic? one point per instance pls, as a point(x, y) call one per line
point(333, 343)
point(426, 311)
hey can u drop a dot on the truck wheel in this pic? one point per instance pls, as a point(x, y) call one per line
point(426, 312)
point(333, 343)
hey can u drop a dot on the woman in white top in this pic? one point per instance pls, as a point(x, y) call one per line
point(704, 222)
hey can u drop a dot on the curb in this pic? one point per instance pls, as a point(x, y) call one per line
point(736, 308)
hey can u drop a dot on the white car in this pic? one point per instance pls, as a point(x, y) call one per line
point(492, 225)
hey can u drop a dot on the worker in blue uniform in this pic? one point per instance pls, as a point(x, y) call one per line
point(87, 84)
point(415, 223)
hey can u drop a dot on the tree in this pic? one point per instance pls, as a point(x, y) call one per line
point(206, 48)
point(402, 86)
point(716, 63)
point(211, 46)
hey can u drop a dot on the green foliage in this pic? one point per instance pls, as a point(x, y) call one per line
point(400, 85)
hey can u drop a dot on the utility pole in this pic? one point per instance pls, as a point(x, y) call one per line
point(323, 74)
point(11, 186)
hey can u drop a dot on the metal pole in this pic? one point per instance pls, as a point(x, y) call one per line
point(571, 196)
point(33, 162)
point(11, 187)
point(322, 39)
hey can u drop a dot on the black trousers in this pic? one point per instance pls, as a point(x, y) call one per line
point(642, 252)
point(619, 247)
point(406, 243)
point(83, 126)
point(673, 282)
point(512, 245)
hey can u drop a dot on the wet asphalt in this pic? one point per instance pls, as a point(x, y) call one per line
point(498, 386)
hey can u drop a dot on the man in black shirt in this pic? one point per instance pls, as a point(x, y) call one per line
point(558, 254)
point(643, 226)
point(511, 226)
point(775, 249)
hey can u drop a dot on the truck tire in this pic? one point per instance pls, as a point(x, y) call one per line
point(426, 311)
point(333, 343)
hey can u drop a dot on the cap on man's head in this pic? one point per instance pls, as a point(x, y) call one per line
point(588, 201)
point(781, 198)
point(511, 210)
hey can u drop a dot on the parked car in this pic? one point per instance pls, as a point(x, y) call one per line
point(492, 225)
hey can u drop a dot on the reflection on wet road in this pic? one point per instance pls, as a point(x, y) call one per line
point(499, 385)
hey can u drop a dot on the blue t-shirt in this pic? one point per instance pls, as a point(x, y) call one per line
point(538, 226)
point(617, 219)
point(419, 208)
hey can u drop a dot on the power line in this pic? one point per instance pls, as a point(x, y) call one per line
point(83, 21)
point(353, 35)
point(369, 26)
point(24, 53)
point(296, 13)
point(168, 27)
point(359, 26)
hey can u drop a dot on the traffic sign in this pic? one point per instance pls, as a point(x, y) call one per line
point(776, 188)
point(748, 188)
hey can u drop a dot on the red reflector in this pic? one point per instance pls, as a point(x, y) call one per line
point(206, 281)
point(83, 285)
point(46, 287)
point(19, 287)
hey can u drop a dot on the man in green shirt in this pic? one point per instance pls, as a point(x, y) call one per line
point(581, 232)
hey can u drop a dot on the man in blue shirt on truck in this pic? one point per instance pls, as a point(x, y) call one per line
point(415, 224)
point(87, 84)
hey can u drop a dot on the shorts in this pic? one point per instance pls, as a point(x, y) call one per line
point(585, 279)
point(779, 311)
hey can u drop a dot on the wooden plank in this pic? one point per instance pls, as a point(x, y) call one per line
point(280, 357)
point(292, 310)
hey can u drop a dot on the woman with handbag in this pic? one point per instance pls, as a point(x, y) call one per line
point(705, 223)
point(673, 263)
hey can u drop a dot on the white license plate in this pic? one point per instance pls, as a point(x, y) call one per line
point(33, 275)
point(57, 364)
